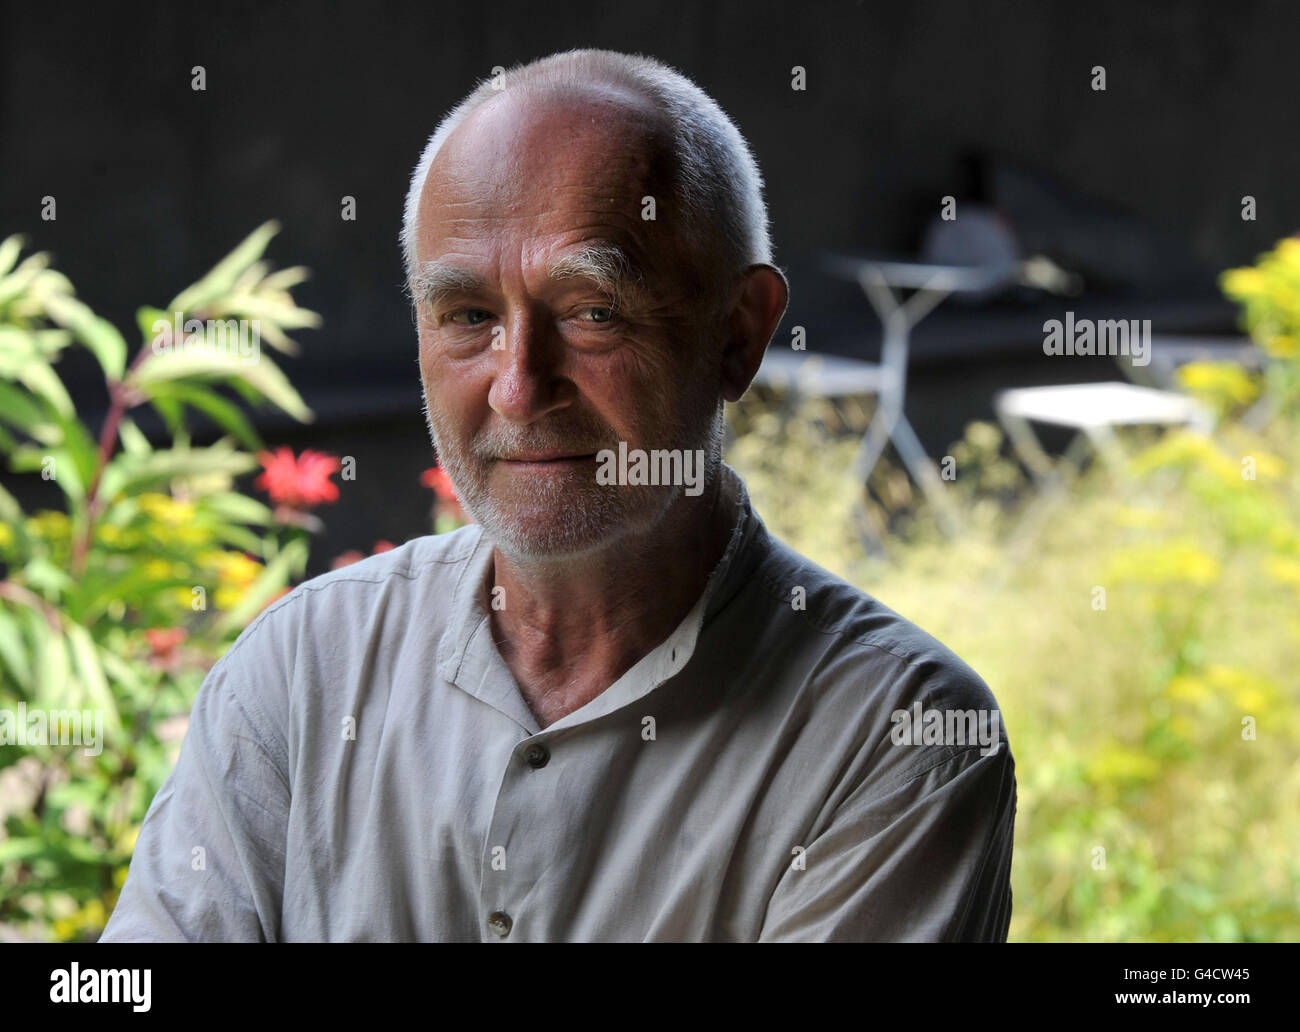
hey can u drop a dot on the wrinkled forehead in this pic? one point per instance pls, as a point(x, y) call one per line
point(583, 160)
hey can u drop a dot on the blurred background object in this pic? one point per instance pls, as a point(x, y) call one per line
point(1139, 630)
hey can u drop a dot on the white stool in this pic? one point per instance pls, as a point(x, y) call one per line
point(1093, 410)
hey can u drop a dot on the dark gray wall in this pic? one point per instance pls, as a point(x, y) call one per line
point(308, 102)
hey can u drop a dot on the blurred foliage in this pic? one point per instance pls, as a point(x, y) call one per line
point(117, 602)
point(1156, 728)
point(1269, 295)
point(1147, 810)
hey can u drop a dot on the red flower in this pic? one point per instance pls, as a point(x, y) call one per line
point(447, 503)
point(163, 645)
point(346, 559)
point(436, 478)
point(353, 556)
point(163, 640)
point(298, 483)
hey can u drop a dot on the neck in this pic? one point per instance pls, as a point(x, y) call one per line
point(569, 630)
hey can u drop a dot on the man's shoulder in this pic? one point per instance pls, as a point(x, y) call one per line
point(328, 605)
point(863, 640)
point(896, 710)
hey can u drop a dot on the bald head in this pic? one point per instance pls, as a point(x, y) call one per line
point(706, 183)
point(569, 162)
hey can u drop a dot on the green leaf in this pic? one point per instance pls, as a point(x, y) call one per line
point(226, 272)
point(19, 345)
point(21, 279)
point(230, 505)
point(11, 514)
point(133, 439)
point(130, 474)
point(260, 374)
point(28, 459)
point(50, 674)
point(13, 649)
point(37, 376)
point(171, 411)
point(82, 449)
point(91, 675)
point(225, 413)
point(148, 318)
point(43, 577)
point(99, 335)
point(239, 537)
point(139, 587)
point(24, 412)
point(122, 672)
point(269, 581)
point(20, 848)
point(10, 250)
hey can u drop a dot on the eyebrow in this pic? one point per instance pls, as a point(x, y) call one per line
point(437, 280)
point(607, 265)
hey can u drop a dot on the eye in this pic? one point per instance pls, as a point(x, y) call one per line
point(600, 313)
point(471, 316)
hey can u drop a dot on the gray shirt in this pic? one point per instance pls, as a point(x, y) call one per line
point(361, 766)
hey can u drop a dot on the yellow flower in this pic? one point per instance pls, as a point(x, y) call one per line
point(49, 524)
point(1145, 519)
point(126, 843)
point(183, 597)
point(166, 509)
point(1188, 689)
point(1184, 449)
point(1284, 569)
point(159, 569)
point(1219, 379)
point(1248, 692)
point(1288, 251)
point(1241, 283)
point(1121, 763)
point(235, 572)
point(1282, 345)
point(6, 535)
point(1181, 561)
point(191, 534)
point(93, 915)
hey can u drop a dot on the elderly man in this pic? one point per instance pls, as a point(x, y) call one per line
point(613, 708)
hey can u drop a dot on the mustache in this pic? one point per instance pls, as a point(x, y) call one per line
point(505, 440)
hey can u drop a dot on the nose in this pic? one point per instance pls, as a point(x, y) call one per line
point(528, 385)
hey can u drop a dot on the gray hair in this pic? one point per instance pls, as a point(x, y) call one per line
point(718, 183)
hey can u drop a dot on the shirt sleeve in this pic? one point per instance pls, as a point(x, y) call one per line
point(208, 864)
point(927, 859)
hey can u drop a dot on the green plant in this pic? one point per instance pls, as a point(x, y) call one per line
point(1142, 646)
point(114, 605)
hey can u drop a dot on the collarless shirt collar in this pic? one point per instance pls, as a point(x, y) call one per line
point(468, 656)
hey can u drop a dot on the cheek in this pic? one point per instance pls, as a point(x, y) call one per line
point(454, 390)
point(633, 393)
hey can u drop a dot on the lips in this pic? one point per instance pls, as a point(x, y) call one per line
point(542, 457)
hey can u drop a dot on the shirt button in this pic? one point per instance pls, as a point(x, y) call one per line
point(537, 756)
point(500, 923)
